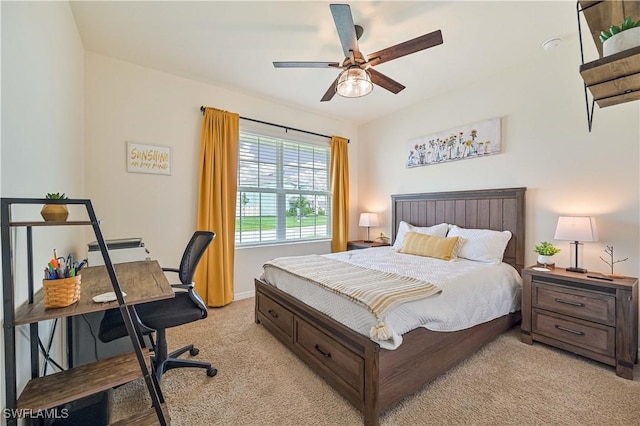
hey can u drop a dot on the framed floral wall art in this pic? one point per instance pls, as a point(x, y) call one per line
point(470, 141)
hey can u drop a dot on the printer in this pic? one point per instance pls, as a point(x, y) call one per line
point(120, 251)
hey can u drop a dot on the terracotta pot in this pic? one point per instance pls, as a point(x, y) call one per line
point(54, 212)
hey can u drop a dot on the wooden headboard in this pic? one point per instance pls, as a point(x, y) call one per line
point(497, 209)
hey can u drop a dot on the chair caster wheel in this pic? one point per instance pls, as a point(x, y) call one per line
point(211, 371)
point(194, 351)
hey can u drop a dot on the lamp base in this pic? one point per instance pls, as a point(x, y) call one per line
point(579, 270)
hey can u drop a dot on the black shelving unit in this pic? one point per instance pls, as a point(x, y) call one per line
point(8, 291)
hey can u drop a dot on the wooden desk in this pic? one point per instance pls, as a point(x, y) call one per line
point(142, 281)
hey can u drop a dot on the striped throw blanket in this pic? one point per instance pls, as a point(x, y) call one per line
point(377, 291)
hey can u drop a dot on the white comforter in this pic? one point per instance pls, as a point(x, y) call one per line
point(472, 293)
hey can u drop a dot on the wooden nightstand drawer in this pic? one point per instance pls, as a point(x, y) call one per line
point(587, 335)
point(587, 305)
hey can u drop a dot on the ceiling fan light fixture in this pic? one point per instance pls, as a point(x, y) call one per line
point(354, 82)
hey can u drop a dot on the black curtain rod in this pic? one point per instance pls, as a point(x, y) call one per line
point(286, 128)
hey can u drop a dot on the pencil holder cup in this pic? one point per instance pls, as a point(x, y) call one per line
point(61, 292)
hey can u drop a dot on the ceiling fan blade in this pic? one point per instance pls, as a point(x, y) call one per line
point(346, 29)
point(417, 44)
point(330, 91)
point(303, 64)
point(384, 81)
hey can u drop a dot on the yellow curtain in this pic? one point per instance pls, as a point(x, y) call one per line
point(217, 204)
point(339, 193)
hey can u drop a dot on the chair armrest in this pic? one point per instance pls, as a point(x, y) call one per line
point(183, 286)
point(171, 270)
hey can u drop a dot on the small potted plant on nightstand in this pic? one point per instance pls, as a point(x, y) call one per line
point(55, 212)
point(546, 251)
point(383, 238)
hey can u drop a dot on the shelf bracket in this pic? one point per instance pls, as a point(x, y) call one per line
point(586, 90)
point(579, 10)
point(589, 110)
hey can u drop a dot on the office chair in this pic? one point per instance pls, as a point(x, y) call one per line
point(187, 306)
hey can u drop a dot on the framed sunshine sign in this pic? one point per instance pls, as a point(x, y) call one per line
point(152, 159)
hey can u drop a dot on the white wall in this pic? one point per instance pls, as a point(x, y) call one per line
point(42, 146)
point(125, 102)
point(546, 147)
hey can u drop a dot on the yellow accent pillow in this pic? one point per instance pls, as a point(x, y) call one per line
point(430, 246)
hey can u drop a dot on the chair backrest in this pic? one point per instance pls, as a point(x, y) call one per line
point(193, 253)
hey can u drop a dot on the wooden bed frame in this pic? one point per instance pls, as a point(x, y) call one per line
point(375, 379)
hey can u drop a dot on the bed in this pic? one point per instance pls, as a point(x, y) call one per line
point(375, 379)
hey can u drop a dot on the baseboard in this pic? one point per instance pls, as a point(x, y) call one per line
point(245, 295)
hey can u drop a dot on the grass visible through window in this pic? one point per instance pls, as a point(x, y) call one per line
point(255, 223)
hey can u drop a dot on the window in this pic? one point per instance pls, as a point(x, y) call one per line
point(283, 190)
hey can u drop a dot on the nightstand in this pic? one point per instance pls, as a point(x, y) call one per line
point(360, 244)
point(594, 318)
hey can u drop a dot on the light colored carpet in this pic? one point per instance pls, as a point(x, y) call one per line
point(261, 383)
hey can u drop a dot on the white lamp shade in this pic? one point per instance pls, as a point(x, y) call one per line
point(368, 219)
point(576, 228)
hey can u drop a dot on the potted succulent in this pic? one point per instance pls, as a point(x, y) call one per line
point(620, 37)
point(55, 212)
point(546, 251)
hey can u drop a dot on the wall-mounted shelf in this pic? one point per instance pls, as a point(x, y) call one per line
point(613, 79)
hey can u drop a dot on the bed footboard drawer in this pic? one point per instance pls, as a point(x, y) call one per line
point(587, 335)
point(273, 313)
point(346, 366)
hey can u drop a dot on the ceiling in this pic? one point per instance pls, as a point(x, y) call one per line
point(233, 44)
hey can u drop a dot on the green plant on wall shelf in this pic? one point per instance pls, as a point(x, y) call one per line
point(545, 248)
point(615, 29)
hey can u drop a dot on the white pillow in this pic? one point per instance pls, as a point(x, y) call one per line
point(482, 245)
point(439, 230)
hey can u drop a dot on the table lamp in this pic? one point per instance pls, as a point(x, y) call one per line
point(577, 229)
point(368, 220)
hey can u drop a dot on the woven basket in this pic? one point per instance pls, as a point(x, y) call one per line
point(61, 292)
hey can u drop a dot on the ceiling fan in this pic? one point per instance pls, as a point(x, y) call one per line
point(358, 76)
